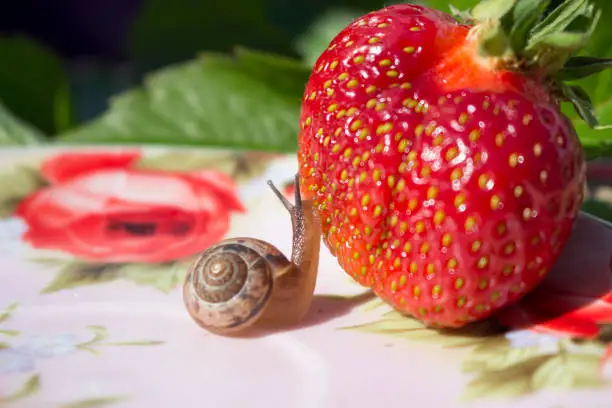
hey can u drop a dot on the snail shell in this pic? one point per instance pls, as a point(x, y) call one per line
point(239, 282)
point(230, 285)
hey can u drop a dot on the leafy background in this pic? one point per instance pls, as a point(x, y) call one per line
point(189, 72)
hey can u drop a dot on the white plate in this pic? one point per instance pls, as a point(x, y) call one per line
point(95, 318)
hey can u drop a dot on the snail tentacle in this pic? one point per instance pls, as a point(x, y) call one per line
point(300, 245)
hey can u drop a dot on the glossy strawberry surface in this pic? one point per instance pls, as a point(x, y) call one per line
point(445, 185)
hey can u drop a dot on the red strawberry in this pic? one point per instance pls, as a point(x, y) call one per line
point(446, 176)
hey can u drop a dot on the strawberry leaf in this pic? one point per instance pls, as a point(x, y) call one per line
point(249, 100)
point(562, 18)
point(597, 142)
point(520, 22)
point(582, 103)
point(582, 67)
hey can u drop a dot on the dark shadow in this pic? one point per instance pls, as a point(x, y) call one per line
point(581, 276)
point(323, 309)
point(328, 307)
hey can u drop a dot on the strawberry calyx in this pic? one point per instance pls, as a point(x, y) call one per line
point(529, 37)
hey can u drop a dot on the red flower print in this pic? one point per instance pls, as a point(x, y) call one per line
point(100, 208)
point(576, 297)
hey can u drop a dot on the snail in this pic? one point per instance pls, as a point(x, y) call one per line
point(240, 283)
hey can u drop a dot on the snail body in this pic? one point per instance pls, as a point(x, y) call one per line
point(242, 282)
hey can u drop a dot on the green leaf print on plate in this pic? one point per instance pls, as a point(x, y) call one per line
point(5, 315)
point(95, 402)
point(503, 364)
point(29, 387)
point(72, 274)
point(506, 371)
point(16, 183)
point(23, 356)
point(240, 166)
point(101, 335)
point(8, 312)
point(394, 324)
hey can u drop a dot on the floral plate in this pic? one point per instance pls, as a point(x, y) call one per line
point(95, 247)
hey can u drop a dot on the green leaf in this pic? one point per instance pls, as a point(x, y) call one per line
point(598, 208)
point(316, 39)
point(241, 166)
point(164, 277)
point(445, 5)
point(17, 183)
point(508, 371)
point(559, 19)
point(511, 382)
point(399, 326)
point(597, 142)
point(74, 274)
point(493, 344)
point(565, 41)
point(96, 402)
point(521, 21)
point(582, 103)
point(250, 100)
point(491, 9)
point(394, 324)
point(7, 313)
point(100, 333)
point(185, 161)
point(34, 85)
point(134, 343)
point(374, 304)
point(11, 333)
point(504, 356)
point(30, 387)
point(15, 131)
point(175, 31)
point(568, 371)
point(582, 67)
point(494, 43)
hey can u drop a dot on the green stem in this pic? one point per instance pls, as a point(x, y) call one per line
point(529, 36)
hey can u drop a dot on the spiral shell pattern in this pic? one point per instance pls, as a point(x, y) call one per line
point(228, 285)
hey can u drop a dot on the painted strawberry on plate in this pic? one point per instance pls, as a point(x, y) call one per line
point(434, 146)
